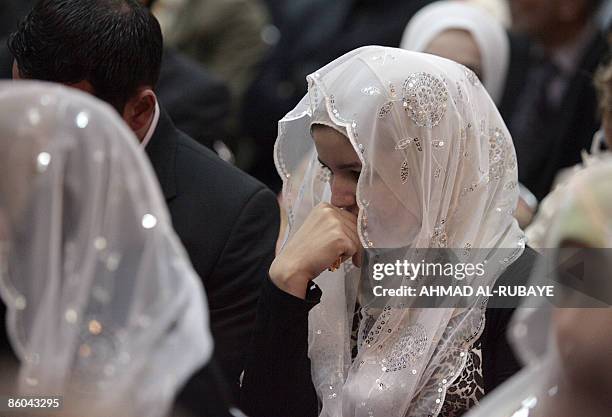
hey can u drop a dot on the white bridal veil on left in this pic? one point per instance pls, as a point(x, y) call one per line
point(103, 304)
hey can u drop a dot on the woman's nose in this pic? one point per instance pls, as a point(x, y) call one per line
point(343, 194)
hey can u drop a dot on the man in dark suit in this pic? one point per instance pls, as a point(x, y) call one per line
point(227, 221)
point(549, 102)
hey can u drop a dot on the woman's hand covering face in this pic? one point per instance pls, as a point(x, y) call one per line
point(327, 234)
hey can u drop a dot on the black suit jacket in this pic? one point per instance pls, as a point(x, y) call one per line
point(571, 130)
point(228, 222)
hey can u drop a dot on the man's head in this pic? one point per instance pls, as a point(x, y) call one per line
point(109, 48)
point(552, 22)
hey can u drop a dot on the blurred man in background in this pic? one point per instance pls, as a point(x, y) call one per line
point(553, 115)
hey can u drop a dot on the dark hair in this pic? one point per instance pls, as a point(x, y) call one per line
point(115, 45)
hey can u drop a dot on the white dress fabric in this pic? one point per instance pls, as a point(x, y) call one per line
point(584, 215)
point(488, 32)
point(438, 171)
point(103, 304)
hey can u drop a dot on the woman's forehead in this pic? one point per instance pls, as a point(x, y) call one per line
point(333, 147)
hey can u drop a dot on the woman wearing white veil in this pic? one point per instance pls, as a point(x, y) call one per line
point(566, 342)
point(104, 307)
point(491, 46)
point(467, 33)
point(407, 151)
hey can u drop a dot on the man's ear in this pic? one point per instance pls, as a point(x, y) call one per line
point(139, 111)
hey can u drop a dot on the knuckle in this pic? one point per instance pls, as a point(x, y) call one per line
point(336, 223)
point(329, 208)
point(338, 237)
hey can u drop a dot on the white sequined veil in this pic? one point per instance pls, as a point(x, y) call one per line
point(103, 304)
point(438, 170)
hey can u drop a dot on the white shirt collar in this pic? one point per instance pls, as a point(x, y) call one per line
point(152, 128)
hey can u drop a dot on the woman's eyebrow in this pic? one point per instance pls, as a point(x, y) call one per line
point(349, 165)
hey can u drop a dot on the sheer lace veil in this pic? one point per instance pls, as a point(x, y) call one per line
point(103, 304)
point(438, 171)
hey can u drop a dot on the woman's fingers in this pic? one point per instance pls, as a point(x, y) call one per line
point(349, 221)
point(351, 232)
